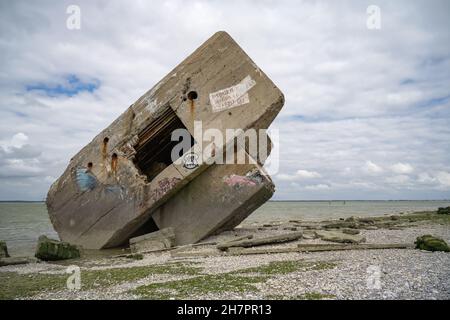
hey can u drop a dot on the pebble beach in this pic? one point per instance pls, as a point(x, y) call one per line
point(204, 272)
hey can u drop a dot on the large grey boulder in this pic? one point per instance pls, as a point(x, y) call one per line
point(337, 236)
point(3, 250)
point(52, 250)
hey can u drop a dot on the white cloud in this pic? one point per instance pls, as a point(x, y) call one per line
point(444, 178)
point(372, 167)
point(317, 187)
point(425, 177)
point(299, 175)
point(19, 139)
point(307, 174)
point(398, 180)
point(352, 94)
point(402, 168)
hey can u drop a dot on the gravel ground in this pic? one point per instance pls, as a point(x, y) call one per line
point(359, 274)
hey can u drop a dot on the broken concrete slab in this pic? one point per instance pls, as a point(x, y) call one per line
point(11, 261)
point(124, 182)
point(343, 224)
point(155, 241)
point(338, 247)
point(226, 244)
point(288, 237)
point(52, 250)
point(350, 231)
point(300, 248)
point(337, 236)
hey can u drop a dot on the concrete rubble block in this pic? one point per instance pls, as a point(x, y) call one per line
point(282, 238)
point(11, 261)
point(155, 241)
point(350, 231)
point(52, 250)
point(341, 237)
point(3, 250)
point(125, 183)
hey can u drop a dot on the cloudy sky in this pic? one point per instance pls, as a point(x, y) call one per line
point(367, 110)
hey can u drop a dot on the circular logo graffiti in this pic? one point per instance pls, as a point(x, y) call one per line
point(190, 161)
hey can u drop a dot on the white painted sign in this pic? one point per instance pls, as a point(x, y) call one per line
point(233, 96)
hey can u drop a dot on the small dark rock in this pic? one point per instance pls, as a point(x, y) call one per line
point(52, 250)
point(3, 250)
point(443, 210)
point(431, 243)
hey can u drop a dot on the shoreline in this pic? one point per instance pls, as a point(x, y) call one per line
point(401, 273)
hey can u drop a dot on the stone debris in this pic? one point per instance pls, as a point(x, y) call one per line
point(125, 182)
point(337, 236)
point(261, 241)
point(52, 250)
point(155, 241)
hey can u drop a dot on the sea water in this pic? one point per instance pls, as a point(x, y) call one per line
point(21, 223)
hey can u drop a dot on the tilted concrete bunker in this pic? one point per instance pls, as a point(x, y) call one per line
point(124, 182)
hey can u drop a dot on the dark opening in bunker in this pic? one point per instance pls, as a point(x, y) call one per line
point(154, 149)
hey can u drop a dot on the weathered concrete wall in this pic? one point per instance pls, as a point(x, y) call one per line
point(219, 199)
point(102, 198)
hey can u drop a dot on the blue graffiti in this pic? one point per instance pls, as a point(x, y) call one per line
point(85, 179)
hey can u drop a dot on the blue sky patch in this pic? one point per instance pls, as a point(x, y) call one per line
point(72, 86)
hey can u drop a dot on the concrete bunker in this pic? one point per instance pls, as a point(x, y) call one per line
point(134, 186)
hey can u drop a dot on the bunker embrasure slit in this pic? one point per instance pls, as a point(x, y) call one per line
point(154, 148)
